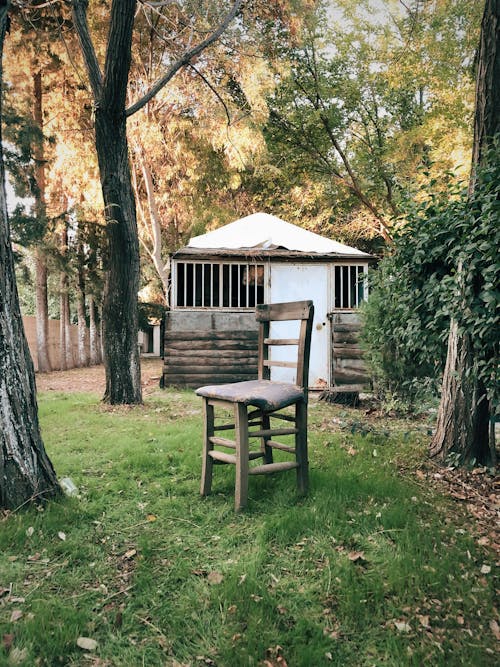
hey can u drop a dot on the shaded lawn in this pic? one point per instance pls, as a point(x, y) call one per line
point(372, 568)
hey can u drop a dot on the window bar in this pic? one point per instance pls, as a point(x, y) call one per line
point(194, 284)
point(230, 296)
point(238, 274)
point(356, 299)
point(248, 287)
point(255, 284)
point(221, 285)
point(211, 280)
point(202, 288)
point(185, 285)
point(341, 271)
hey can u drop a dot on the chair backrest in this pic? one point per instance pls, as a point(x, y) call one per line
point(302, 311)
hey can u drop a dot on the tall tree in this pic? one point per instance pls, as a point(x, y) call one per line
point(464, 411)
point(109, 91)
point(25, 470)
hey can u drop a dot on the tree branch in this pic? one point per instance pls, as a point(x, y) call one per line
point(184, 60)
point(79, 13)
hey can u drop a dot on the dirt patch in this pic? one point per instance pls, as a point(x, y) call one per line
point(92, 379)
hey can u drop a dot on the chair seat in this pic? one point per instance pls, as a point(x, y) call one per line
point(264, 394)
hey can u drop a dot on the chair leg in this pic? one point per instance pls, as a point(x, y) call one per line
point(242, 447)
point(301, 447)
point(207, 462)
point(265, 448)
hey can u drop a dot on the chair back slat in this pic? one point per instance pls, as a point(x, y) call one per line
point(302, 311)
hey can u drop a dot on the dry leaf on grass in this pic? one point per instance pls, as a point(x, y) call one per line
point(16, 615)
point(214, 578)
point(402, 626)
point(86, 643)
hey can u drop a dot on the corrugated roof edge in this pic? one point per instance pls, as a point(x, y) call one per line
point(271, 253)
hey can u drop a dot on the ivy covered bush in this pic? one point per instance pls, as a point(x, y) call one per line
point(445, 263)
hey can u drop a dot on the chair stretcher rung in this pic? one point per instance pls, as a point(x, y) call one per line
point(280, 446)
point(264, 432)
point(269, 468)
point(222, 456)
point(281, 341)
point(231, 458)
point(223, 442)
point(281, 364)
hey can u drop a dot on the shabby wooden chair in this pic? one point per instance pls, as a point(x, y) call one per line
point(255, 403)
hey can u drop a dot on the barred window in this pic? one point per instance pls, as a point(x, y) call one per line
point(219, 285)
point(349, 286)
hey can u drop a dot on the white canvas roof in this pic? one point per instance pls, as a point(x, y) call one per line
point(261, 230)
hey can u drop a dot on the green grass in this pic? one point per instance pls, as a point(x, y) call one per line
point(159, 576)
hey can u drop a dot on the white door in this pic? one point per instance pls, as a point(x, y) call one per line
point(299, 282)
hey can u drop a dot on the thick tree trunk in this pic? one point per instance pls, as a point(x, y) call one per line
point(463, 425)
point(120, 311)
point(25, 471)
point(462, 430)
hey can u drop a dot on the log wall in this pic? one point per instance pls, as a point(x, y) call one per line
point(349, 371)
point(209, 348)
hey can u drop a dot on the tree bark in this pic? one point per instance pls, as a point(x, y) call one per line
point(120, 311)
point(41, 300)
point(83, 333)
point(26, 472)
point(464, 411)
point(94, 332)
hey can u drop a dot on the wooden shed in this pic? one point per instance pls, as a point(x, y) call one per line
point(218, 278)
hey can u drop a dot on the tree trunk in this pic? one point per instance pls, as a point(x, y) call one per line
point(120, 310)
point(81, 308)
point(41, 302)
point(25, 470)
point(63, 365)
point(462, 430)
point(42, 312)
point(94, 331)
point(464, 412)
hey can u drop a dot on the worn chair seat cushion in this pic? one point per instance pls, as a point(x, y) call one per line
point(264, 394)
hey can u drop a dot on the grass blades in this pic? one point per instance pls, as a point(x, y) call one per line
point(371, 568)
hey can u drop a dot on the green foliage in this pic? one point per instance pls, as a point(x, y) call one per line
point(445, 264)
point(158, 576)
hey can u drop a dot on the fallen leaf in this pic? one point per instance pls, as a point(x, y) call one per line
point(351, 451)
point(485, 569)
point(356, 555)
point(460, 620)
point(130, 554)
point(214, 578)
point(61, 535)
point(483, 541)
point(424, 620)
point(402, 626)
point(7, 641)
point(199, 573)
point(16, 615)
point(30, 531)
point(495, 629)
point(328, 655)
point(242, 579)
point(17, 656)
point(86, 643)
point(151, 518)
